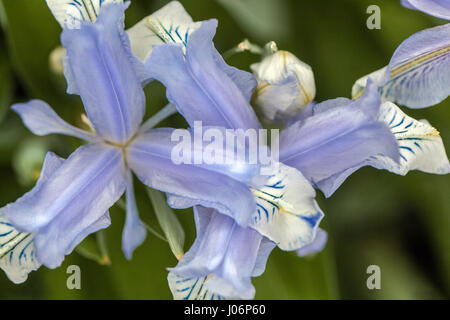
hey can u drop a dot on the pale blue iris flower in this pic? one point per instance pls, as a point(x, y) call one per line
point(317, 150)
point(72, 197)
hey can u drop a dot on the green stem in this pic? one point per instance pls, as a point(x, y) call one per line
point(122, 205)
point(101, 242)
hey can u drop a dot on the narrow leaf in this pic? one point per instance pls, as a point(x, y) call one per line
point(169, 223)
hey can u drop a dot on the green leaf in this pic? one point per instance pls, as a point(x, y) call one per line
point(90, 249)
point(169, 223)
point(6, 87)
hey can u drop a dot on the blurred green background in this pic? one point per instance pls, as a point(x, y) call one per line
point(398, 223)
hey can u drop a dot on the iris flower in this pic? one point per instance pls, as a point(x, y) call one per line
point(320, 150)
point(72, 197)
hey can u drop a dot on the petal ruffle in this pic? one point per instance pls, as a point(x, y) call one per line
point(71, 12)
point(170, 24)
point(418, 74)
point(421, 147)
point(287, 212)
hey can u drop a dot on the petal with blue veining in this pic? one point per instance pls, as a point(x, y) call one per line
point(170, 24)
point(71, 12)
point(198, 84)
point(418, 74)
point(287, 212)
point(421, 147)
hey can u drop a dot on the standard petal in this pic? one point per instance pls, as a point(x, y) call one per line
point(287, 212)
point(199, 86)
point(170, 24)
point(223, 257)
point(418, 74)
point(71, 202)
point(437, 8)
point(40, 118)
point(285, 85)
point(421, 147)
point(377, 76)
point(150, 157)
point(327, 144)
point(134, 232)
point(316, 245)
point(104, 74)
point(192, 288)
point(69, 13)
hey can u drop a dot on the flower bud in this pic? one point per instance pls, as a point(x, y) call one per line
point(285, 85)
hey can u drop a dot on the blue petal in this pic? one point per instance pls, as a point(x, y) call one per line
point(71, 202)
point(224, 256)
point(418, 74)
point(150, 157)
point(317, 245)
point(134, 232)
point(40, 118)
point(103, 71)
point(200, 85)
point(326, 145)
point(437, 8)
point(17, 252)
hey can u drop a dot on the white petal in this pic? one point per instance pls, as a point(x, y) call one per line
point(171, 23)
point(17, 252)
point(286, 212)
point(421, 147)
point(69, 12)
